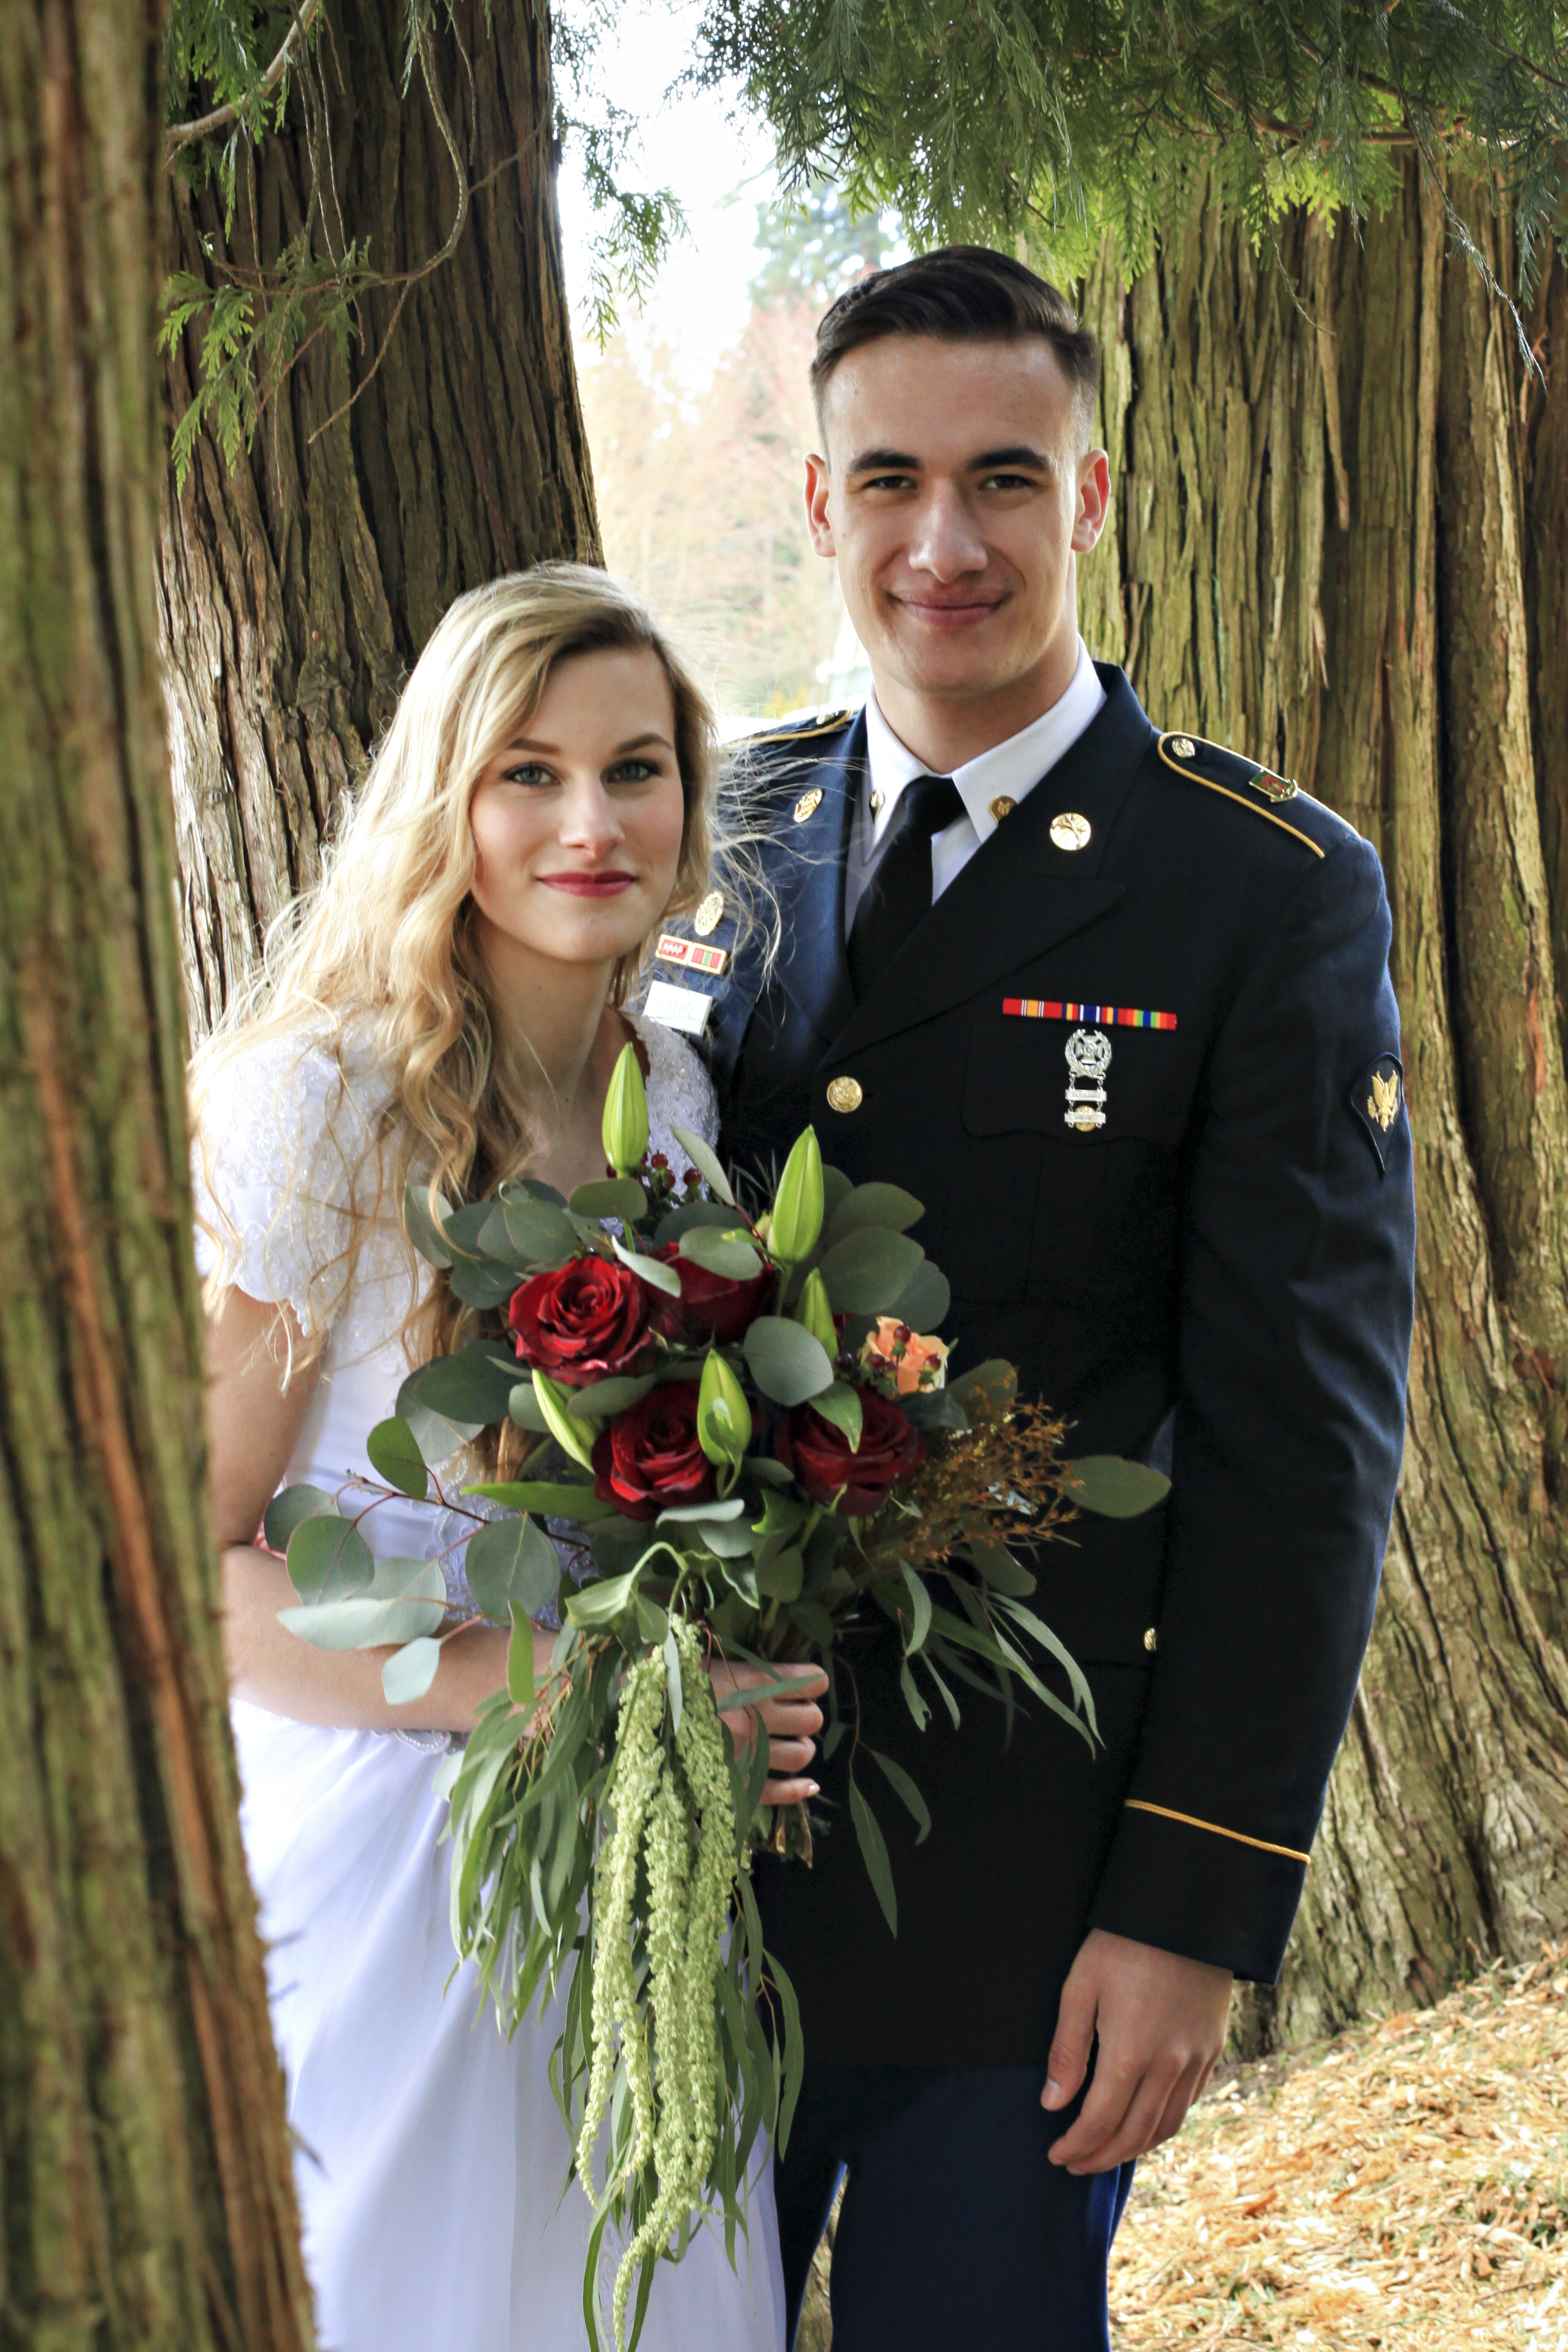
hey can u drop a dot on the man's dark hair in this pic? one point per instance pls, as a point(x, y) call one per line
point(961, 294)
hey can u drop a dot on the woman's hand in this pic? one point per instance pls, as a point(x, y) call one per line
point(790, 1720)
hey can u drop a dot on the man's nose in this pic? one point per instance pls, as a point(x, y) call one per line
point(945, 542)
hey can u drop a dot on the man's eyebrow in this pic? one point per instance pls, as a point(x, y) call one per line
point(991, 461)
point(884, 461)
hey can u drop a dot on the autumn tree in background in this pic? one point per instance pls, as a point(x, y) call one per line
point(148, 2201)
point(1318, 244)
point(700, 486)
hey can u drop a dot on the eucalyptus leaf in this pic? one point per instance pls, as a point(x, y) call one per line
point(813, 1620)
point(512, 1561)
point(687, 1513)
point(836, 1187)
point(678, 1221)
point(742, 1579)
point(675, 1688)
point(783, 1576)
point(1114, 1488)
point(482, 1283)
point(728, 1253)
point(731, 1542)
point(925, 1299)
point(290, 1508)
point(934, 1409)
point(651, 1622)
point(611, 1196)
point(329, 1559)
point(406, 1601)
point(842, 1405)
point(650, 1270)
point(538, 1231)
point(595, 1605)
point(704, 1159)
point(786, 1361)
point(548, 1498)
point(885, 1205)
point(395, 1457)
point(865, 1272)
point(409, 1672)
point(427, 1236)
point(903, 1787)
point(874, 1846)
point(474, 1386)
point(995, 1379)
point(524, 1406)
point(603, 1399)
point(912, 1698)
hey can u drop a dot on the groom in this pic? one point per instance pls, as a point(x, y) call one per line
point(1114, 1006)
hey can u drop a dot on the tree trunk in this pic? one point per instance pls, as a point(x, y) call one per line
point(1332, 527)
point(148, 2199)
point(297, 587)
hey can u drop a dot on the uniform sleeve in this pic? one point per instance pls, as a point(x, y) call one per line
point(1296, 1305)
point(277, 1140)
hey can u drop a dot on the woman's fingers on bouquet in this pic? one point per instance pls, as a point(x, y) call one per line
point(791, 1720)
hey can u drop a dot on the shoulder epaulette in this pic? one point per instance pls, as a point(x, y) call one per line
point(808, 724)
point(1241, 780)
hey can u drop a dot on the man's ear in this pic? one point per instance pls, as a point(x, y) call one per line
point(818, 483)
point(1093, 500)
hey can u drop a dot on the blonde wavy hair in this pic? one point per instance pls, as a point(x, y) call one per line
point(386, 933)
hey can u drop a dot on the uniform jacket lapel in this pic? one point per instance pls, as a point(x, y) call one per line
point(1020, 895)
point(810, 885)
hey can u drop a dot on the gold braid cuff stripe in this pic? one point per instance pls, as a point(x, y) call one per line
point(1139, 1805)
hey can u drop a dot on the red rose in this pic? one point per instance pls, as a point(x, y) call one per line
point(581, 1322)
point(649, 1458)
point(818, 1456)
point(713, 1306)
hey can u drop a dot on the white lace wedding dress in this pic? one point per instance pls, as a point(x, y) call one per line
point(431, 2154)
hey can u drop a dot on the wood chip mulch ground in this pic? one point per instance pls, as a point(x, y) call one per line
point(1404, 2188)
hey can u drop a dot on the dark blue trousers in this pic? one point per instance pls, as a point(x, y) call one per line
point(955, 2230)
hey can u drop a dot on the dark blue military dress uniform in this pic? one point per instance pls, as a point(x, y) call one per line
point(1143, 1068)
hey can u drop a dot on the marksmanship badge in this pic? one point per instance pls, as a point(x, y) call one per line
point(1088, 1060)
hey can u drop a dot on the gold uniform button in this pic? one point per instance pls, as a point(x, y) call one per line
point(876, 801)
point(709, 914)
point(1184, 747)
point(807, 805)
point(1071, 831)
point(845, 1094)
point(1003, 805)
point(1152, 1638)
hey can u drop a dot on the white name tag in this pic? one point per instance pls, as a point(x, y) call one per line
point(678, 1008)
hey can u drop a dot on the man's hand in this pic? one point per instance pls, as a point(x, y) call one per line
point(1160, 2024)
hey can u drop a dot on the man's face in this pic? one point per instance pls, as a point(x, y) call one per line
point(954, 494)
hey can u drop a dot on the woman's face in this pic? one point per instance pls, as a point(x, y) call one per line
point(577, 824)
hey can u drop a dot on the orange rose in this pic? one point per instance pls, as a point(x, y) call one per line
point(903, 1359)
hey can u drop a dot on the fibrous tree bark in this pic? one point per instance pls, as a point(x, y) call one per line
point(441, 446)
point(146, 2197)
point(1342, 546)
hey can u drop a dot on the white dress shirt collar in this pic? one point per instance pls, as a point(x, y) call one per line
point(1009, 769)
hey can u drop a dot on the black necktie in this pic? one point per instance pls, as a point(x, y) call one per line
point(899, 892)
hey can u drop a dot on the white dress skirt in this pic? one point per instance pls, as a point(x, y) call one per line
point(431, 2157)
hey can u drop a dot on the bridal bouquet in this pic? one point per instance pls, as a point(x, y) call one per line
point(738, 1433)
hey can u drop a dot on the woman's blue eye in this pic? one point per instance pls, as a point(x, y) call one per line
point(528, 772)
point(631, 771)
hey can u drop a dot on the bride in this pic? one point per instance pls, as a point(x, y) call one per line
point(445, 1007)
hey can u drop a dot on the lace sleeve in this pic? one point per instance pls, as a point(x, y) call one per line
point(279, 1136)
point(680, 1091)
